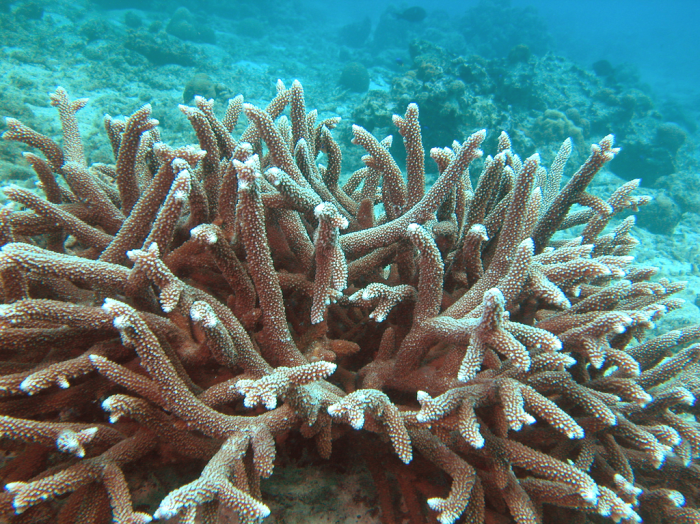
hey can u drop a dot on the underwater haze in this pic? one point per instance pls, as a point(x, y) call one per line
point(659, 39)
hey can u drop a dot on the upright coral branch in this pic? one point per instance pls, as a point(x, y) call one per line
point(216, 299)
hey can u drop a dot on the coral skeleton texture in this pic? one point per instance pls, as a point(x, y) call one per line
point(199, 305)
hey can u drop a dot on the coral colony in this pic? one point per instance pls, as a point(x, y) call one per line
point(203, 304)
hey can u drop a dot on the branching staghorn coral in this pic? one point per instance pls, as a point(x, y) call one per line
point(197, 303)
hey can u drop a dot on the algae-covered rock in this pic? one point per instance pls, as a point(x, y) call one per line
point(660, 216)
point(354, 77)
point(374, 110)
point(682, 187)
point(552, 125)
point(201, 84)
point(161, 50)
point(603, 68)
point(642, 160)
point(95, 29)
point(30, 10)
point(186, 27)
point(670, 136)
point(519, 53)
point(132, 20)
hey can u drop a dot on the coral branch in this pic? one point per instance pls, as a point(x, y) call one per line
point(220, 300)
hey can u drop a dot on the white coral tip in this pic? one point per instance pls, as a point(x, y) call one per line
point(478, 441)
point(14, 487)
point(676, 498)
point(164, 512)
point(576, 433)
point(141, 518)
point(568, 361)
point(204, 233)
point(644, 399)
point(436, 503)
point(591, 495)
